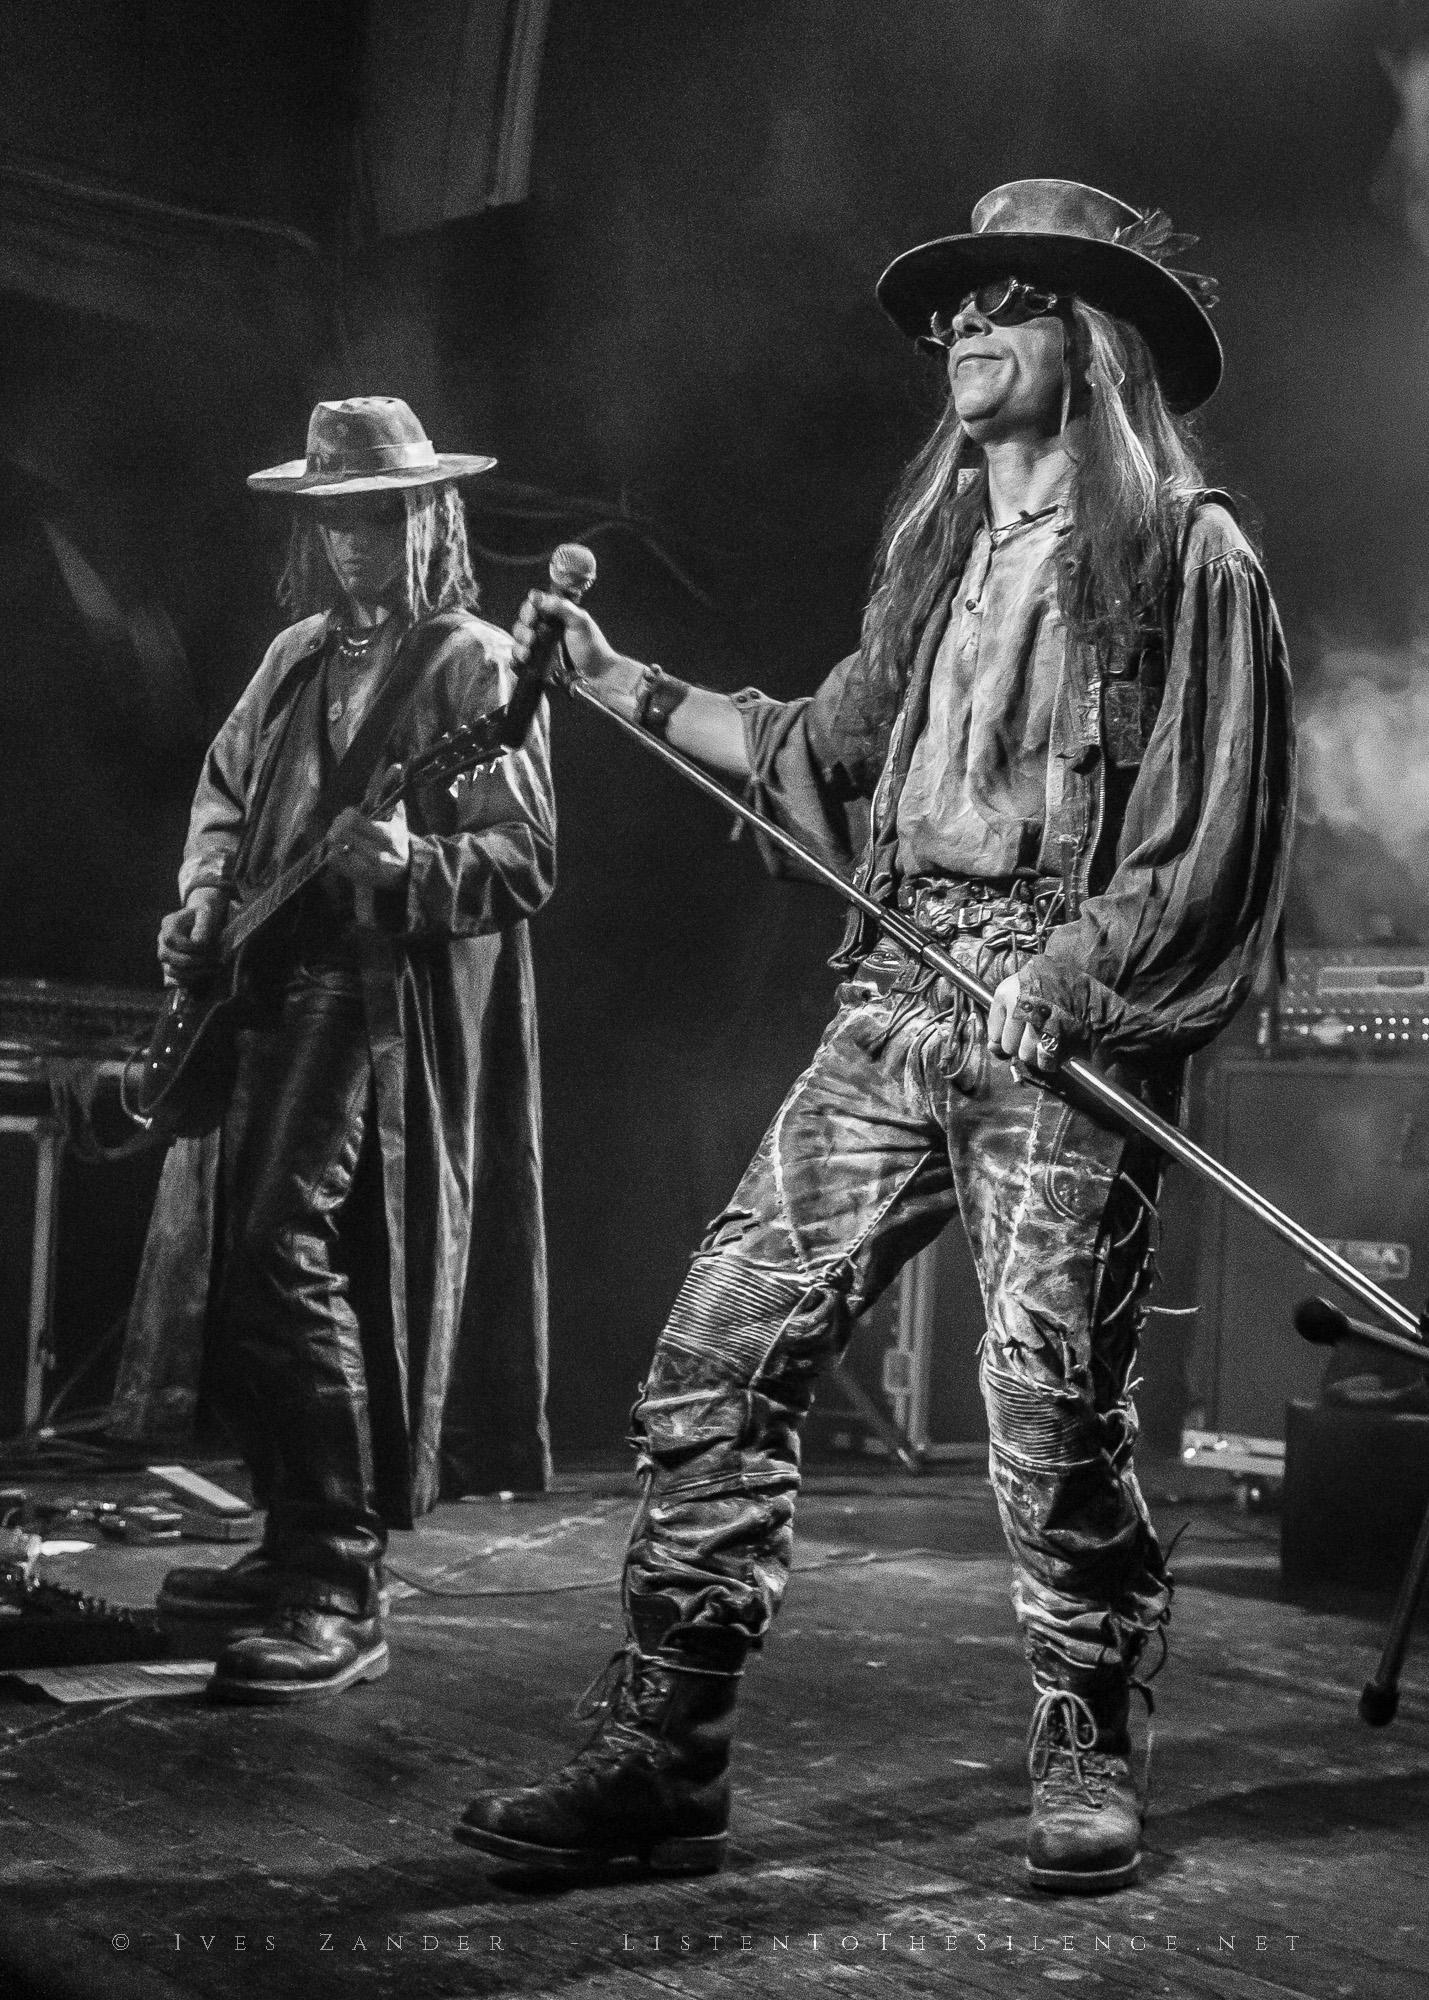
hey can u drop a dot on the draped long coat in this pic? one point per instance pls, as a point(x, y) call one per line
point(450, 1005)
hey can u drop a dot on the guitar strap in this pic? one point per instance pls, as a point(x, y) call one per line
point(348, 780)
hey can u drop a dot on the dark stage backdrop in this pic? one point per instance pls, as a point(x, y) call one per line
point(677, 329)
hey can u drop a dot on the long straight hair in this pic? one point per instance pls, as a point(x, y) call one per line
point(1136, 468)
point(436, 575)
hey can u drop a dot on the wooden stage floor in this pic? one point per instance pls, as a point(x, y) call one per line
point(165, 1847)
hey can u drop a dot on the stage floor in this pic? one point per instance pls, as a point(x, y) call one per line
point(164, 1847)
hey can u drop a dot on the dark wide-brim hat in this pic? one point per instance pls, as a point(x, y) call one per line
point(368, 444)
point(1065, 237)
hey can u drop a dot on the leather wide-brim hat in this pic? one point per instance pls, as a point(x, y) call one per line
point(368, 444)
point(1065, 237)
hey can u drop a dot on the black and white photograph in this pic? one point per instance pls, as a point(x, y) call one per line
point(714, 999)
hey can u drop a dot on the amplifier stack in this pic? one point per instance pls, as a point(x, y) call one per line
point(1354, 1000)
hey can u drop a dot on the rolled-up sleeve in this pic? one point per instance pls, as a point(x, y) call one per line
point(812, 760)
point(1158, 961)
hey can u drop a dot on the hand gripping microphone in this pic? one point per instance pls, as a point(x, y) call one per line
point(572, 574)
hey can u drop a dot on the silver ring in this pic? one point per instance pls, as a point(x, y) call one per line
point(1050, 1042)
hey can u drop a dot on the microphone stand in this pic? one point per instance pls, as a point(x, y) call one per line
point(1076, 1078)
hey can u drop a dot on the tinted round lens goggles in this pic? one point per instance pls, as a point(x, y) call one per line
point(1002, 302)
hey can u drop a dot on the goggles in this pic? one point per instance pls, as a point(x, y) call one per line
point(1002, 302)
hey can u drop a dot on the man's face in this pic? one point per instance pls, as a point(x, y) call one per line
point(1006, 380)
point(365, 536)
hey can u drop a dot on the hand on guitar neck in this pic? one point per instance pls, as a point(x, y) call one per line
point(371, 853)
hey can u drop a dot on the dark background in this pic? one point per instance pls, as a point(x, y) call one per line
point(677, 332)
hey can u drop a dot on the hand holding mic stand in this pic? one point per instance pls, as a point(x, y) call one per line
point(1318, 1321)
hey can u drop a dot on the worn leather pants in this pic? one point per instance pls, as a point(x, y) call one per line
point(286, 1370)
point(903, 1118)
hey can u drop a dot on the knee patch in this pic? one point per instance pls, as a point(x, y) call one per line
point(710, 1385)
point(1038, 1426)
point(731, 1313)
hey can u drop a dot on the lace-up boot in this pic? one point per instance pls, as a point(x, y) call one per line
point(1084, 1836)
point(652, 1784)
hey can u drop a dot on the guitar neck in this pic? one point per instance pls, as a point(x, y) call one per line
point(478, 746)
point(253, 916)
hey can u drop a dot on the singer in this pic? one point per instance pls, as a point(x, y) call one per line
point(1071, 714)
point(377, 1177)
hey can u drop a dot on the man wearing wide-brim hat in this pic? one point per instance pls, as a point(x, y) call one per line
point(376, 1317)
point(1070, 713)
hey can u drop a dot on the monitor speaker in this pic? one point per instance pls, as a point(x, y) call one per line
point(1343, 1147)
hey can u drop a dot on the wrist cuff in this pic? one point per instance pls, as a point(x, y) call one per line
point(657, 698)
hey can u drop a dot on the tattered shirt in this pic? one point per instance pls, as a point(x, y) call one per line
point(1170, 820)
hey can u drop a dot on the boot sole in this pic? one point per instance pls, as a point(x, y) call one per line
point(369, 1666)
point(1084, 1881)
point(702, 1854)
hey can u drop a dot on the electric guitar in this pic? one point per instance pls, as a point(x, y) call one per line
point(179, 1085)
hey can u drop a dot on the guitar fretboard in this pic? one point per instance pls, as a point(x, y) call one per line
point(479, 745)
point(252, 916)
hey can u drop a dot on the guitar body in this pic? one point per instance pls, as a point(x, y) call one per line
point(179, 1086)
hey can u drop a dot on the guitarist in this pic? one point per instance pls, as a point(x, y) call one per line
point(378, 1163)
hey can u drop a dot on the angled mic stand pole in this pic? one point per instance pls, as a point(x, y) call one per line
point(1076, 1079)
point(1379, 1697)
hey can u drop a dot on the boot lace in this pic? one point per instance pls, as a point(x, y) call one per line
point(625, 1701)
point(1062, 1755)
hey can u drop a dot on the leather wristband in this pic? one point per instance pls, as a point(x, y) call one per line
point(659, 695)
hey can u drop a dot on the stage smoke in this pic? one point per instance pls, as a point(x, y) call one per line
point(1365, 747)
point(1401, 187)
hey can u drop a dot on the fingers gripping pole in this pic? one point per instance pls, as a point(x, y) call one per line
point(1076, 1078)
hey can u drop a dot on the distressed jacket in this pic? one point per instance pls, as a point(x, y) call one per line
point(1170, 797)
point(449, 995)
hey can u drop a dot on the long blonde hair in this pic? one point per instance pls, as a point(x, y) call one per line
point(436, 576)
point(1136, 471)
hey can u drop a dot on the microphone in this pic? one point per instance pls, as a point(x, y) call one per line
point(572, 572)
point(1317, 1321)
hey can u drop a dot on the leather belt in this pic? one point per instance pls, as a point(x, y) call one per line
point(967, 909)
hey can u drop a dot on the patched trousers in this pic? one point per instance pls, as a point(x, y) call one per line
point(903, 1117)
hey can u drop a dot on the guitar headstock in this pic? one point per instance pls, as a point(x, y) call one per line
point(460, 753)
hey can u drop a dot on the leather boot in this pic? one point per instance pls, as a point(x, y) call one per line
point(1084, 1836)
point(652, 1784)
point(241, 1593)
point(302, 1651)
